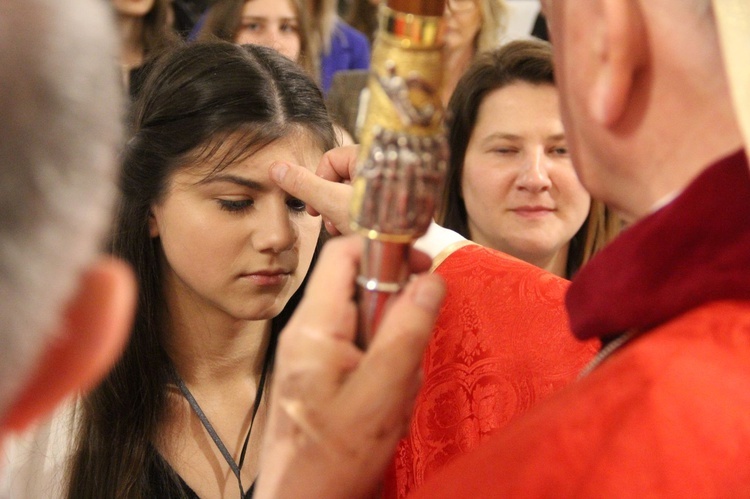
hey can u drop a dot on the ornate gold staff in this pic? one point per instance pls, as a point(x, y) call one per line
point(403, 150)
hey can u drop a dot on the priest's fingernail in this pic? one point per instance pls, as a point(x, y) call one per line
point(279, 171)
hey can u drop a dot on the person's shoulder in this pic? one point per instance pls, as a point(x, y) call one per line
point(723, 324)
point(710, 340)
point(467, 255)
point(693, 370)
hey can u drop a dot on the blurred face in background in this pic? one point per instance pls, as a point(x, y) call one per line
point(463, 19)
point(271, 23)
point(521, 193)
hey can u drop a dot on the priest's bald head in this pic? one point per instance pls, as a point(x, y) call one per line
point(645, 95)
point(64, 311)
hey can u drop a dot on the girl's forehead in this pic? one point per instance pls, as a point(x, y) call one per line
point(235, 154)
point(274, 5)
point(228, 147)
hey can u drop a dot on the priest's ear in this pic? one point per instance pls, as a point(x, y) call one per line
point(92, 332)
point(619, 51)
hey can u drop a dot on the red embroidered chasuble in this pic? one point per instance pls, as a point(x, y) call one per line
point(501, 343)
point(668, 413)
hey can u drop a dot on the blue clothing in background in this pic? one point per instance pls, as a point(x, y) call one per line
point(349, 50)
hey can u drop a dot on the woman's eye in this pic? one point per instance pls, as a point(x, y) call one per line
point(504, 150)
point(235, 205)
point(560, 151)
point(251, 26)
point(289, 28)
point(296, 205)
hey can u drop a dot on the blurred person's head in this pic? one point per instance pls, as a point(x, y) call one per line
point(644, 96)
point(279, 24)
point(65, 310)
point(477, 25)
point(271, 23)
point(510, 183)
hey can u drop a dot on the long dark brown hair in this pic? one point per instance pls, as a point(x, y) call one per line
point(194, 96)
point(527, 61)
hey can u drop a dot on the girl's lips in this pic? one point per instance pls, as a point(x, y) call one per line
point(267, 278)
point(532, 211)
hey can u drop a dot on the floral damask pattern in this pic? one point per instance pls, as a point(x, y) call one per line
point(500, 345)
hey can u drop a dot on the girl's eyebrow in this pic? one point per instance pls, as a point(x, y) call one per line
point(264, 18)
point(223, 177)
point(512, 136)
point(503, 135)
point(500, 136)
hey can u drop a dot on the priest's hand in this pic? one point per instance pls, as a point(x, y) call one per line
point(338, 164)
point(325, 192)
point(337, 412)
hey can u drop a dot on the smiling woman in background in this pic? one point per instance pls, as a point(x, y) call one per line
point(510, 184)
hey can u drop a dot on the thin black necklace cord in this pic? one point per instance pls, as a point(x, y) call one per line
point(236, 468)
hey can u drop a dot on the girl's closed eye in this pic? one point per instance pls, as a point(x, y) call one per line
point(235, 205)
point(296, 205)
point(504, 150)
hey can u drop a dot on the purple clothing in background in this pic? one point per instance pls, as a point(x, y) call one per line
point(349, 50)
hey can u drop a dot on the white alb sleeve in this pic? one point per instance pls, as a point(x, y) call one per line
point(436, 239)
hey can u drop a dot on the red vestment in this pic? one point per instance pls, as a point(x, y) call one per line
point(668, 413)
point(501, 343)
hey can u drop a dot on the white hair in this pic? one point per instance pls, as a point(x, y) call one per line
point(60, 130)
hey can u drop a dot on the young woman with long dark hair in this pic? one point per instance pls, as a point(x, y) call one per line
point(221, 254)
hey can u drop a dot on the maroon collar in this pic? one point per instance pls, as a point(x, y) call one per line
point(693, 251)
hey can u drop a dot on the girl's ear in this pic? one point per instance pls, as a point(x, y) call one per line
point(94, 328)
